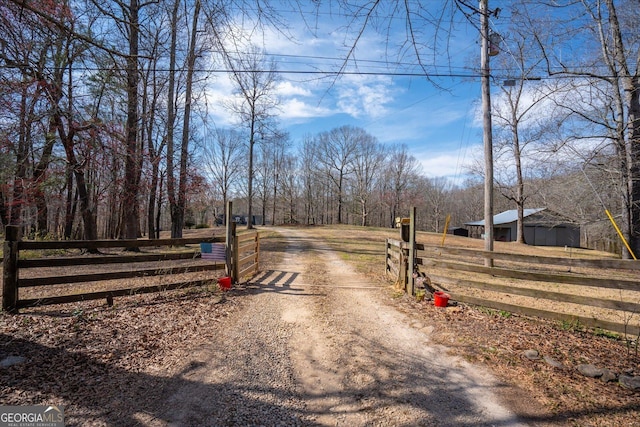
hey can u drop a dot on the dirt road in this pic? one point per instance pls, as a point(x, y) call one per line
point(316, 345)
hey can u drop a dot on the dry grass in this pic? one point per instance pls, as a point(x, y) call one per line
point(570, 309)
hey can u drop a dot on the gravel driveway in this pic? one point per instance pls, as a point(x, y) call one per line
point(317, 346)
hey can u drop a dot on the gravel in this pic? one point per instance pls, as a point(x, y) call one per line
point(316, 345)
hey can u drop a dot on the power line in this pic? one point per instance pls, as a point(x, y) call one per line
point(333, 73)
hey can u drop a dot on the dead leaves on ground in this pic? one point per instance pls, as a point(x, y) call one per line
point(498, 340)
point(93, 358)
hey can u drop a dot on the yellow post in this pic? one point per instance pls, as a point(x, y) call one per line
point(446, 227)
point(620, 233)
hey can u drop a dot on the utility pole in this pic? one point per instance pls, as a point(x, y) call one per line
point(487, 139)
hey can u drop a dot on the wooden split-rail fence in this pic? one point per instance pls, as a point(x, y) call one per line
point(175, 263)
point(595, 293)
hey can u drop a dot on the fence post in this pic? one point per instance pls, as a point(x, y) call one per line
point(229, 238)
point(10, 269)
point(412, 251)
point(386, 257)
point(236, 255)
point(257, 260)
point(403, 266)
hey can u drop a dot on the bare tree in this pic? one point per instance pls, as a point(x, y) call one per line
point(177, 186)
point(224, 160)
point(309, 178)
point(280, 142)
point(367, 170)
point(47, 80)
point(338, 151)
point(264, 174)
point(425, 37)
point(466, 202)
point(400, 170)
point(608, 57)
point(152, 130)
point(255, 80)
point(124, 31)
point(437, 196)
point(522, 121)
point(290, 189)
point(133, 158)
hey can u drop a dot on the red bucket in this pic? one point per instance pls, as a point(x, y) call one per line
point(224, 283)
point(440, 299)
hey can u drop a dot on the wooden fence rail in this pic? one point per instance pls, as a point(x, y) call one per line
point(247, 250)
point(441, 251)
point(243, 253)
point(528, 276)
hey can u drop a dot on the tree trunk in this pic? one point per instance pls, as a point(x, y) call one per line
point(275, 200)
point(155, 170)
point(4, 213)
point(87, 210)
point(149, 107)
point(363, 211)
point(634, 164)
point(250, 184)
point(179, 208)
point(171, 118)
point(628, 135)
point(39, 176)
point(519, 188)
point(130, 214)
point(70, 205)
point(340, 198)
point(22, 157)
point(159, 208)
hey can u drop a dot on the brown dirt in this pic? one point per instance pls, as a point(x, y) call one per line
point(120, 365)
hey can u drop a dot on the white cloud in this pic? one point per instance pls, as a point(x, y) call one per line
point(360, 96)
point(364, 96)
point(287, 88)
point(294, 108)
point(451, 164)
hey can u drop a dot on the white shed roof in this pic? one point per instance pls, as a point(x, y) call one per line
point(506, 217)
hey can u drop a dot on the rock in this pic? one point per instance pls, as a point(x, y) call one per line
point(608, 376)
point(12, 360)
point(590, 371)
point(627, 381)
point(428, 329)
point(553, 362)
point(416, 325)
point(532, 354)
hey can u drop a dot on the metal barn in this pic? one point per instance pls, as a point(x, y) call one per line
point(541, 228)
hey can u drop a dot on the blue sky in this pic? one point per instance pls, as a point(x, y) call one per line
point(439, 125)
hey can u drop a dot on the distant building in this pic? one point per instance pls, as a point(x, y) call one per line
point(241, 219)
point(541, 228)
point(458, 231)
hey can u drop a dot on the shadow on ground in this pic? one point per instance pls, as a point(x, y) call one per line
point(94, 391)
